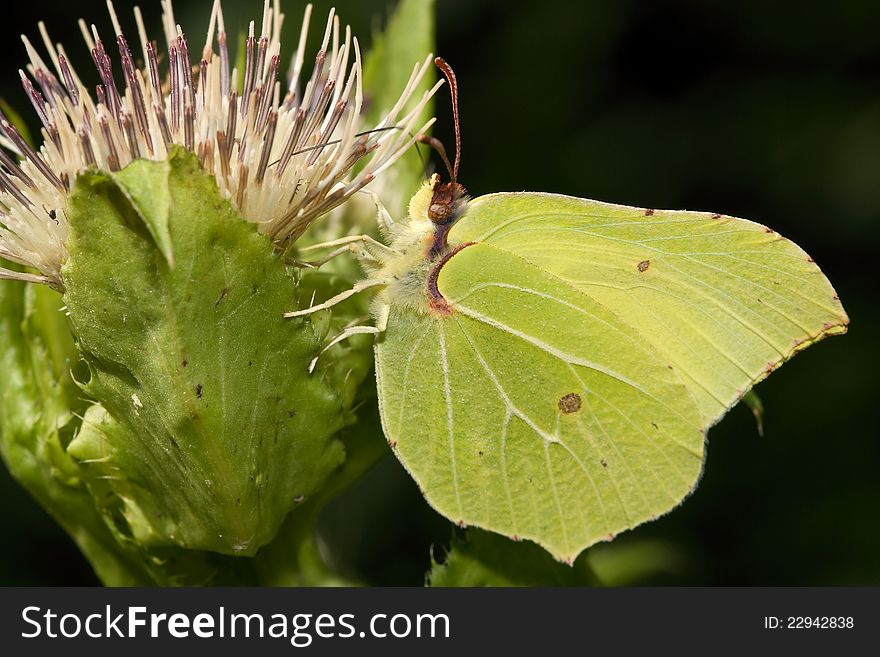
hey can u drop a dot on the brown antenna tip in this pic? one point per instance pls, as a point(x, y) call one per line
point(449, 74)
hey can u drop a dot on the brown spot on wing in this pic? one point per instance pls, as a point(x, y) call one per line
point(643, 265)
point(570, 403)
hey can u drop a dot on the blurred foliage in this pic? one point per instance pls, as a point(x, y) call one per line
point(485, 559)
point(39, 407)
point(765, 111)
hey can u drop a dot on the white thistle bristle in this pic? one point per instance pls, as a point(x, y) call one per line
point(283, 159)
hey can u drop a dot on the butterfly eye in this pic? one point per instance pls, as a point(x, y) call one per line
point(442, 209)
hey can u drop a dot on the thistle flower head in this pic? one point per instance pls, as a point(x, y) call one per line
point(283, 153)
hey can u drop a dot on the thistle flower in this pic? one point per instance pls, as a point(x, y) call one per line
point(282, 159)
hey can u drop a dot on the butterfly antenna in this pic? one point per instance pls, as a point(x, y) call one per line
point(422, 160)
point(437, 145)
point(338, 141)
point(449, 74)
point(367, 132)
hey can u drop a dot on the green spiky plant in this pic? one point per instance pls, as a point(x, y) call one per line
point(172, 428)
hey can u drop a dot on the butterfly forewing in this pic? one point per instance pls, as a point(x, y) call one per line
point(725, 300)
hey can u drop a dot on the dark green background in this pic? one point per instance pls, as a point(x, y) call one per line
point(769, 111)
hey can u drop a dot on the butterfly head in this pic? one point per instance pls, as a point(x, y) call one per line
point(447, 198)
point(446, 202)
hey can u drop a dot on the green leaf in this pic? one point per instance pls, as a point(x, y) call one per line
point(40, 407)
point(486, 559)
point(213, 430)
point(150, 197)
point(293, 558)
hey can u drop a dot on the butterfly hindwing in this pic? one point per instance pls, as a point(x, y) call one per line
point(532, 411)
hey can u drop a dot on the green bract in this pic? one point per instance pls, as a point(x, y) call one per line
point(211, 434)
point(162, 409)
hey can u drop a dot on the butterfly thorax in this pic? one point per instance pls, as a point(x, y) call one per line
point(448, 202)
point(422, 244)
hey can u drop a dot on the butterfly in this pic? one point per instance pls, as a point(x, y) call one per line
point(548, 366)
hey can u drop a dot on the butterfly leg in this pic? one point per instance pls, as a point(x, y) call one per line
point(373, 250)
point(342, 247)
point(315, 264)
point(347, 333)
point(350, 239)
point(382, 312)
point(383, 217)
point(381, 324)
point(360, 286)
